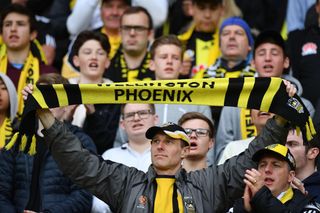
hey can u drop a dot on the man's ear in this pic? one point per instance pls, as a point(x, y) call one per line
point(152, 65)
point(312, 153)
point(253, 64)
point(291, 176)
point(211, 143)
point(33, 35)
point(75, 60)
point(185, 151)
point(286, 62)
point(107, 64)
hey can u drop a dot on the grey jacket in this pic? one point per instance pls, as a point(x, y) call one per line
point(128, 190)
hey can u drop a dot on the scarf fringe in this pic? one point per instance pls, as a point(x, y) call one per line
point(15, 139)
point(33, 147)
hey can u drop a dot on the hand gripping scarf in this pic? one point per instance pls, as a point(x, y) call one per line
point(266, 94)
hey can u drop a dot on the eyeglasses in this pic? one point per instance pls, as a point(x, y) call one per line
point(135, 28)
point(199, 132)
point(142, 114)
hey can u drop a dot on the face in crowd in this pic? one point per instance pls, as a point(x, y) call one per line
point(234, 43)
point(270, 60)
point(260, 118)
point(92, 59)
point(167, 153)
point(166, 62)
point(137, 119)
point(206, 16)
point(4, 98)
point(111, 12)
point(16, 31)
point(302, 154)
point(135, 32)
point(198, 131)
point(276, 173)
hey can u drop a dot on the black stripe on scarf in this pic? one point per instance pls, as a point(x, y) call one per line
point(73, 93)
point(233, 92)
point(49, 95)
point(175, 205)
point(258, 92)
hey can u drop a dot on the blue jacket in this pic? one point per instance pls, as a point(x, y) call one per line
point(57, 192)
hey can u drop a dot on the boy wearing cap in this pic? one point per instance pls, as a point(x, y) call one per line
point(236, 42)
point(268, 189)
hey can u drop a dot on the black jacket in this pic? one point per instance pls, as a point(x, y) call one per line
point(264, 202)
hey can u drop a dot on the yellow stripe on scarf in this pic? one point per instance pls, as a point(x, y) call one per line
point(267, 99)
point(5, 132)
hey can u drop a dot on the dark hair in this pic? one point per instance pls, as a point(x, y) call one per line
point(138, 9)
point(272, 37)
point(152, 107)
point(212, 3)
point(164, 40)
point(197, 115)
point(20, 9)
point(52, 78)
point(313, 143)
point(128, 2)
point(90, 35)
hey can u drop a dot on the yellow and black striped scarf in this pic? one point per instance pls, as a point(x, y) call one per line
point(266, 94)
point(6, 132)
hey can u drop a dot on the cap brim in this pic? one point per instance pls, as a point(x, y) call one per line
point(151, 132)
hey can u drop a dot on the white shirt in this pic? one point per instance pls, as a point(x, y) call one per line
point(126, 156)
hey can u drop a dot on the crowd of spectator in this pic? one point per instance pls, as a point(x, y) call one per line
point(158, 157)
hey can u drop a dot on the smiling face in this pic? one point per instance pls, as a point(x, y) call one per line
point(234, 43)
point(16, 32)
point(199, 145)
point(92, 60)
point(276, 173)
point(269, 60)
point(167, 154)
point(166, 62)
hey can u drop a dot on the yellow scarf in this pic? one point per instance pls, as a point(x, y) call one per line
point(5, 132)
point(266, 94)
point(207, 52)
point(286, 195)
point(29, 74)
point(246, 126)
